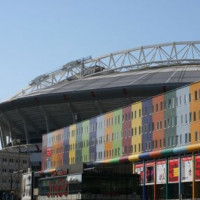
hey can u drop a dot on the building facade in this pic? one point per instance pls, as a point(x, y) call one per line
point(160, 135)
point(11, 167)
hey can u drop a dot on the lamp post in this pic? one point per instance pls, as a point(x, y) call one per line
point(17, 142)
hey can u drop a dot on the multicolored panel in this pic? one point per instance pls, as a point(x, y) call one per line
point(147, 137)
point(158, 122)
point(136, 124)
point(108, 135)
point(85, 141)
point(92, 139)
point(72, 144)
point(66, 146)
point(194, 115)
point(100, 138)
point(79, 129)
point(127, 131)
point(182, 116)
point(117, 133)
point(170, 119)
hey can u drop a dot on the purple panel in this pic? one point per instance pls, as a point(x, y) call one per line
point(126, 128)
point(66, 146)
point(147, 135)
point(92, 137)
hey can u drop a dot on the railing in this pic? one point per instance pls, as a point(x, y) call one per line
point(175, 53)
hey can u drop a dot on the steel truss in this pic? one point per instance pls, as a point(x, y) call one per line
point(168, 54)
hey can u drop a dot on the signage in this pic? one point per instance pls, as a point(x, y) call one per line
point(186, 169)
point(59, 173)
point(57, 187)
point(197, 168)
point(173, 171)
point(26, 186)
point(150, 171)
point(49, 153)
point(139, 170)
point(161, 172)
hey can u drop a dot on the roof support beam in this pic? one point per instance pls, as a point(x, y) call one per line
point(11, 124)
point(29, 122)
point(72, 111)
point(98, 105)
point(25, 125)
point(3, 139)
point(46, 118)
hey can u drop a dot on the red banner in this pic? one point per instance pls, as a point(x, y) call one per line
point(150, 171)
point(197, 167)
point(173, 171)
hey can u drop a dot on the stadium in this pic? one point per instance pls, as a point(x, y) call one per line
point(86, 88)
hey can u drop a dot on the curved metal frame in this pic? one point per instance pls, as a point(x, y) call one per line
point(176, 53)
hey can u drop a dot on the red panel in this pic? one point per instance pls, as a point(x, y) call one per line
point(173, 171)
point(197, 167)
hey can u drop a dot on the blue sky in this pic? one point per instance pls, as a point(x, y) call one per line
point(38, 36)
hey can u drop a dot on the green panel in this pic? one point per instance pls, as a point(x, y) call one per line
point(85, 140)
point(117, 130)
point(78, 141)
point(170, 113)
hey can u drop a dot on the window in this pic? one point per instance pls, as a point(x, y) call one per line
point(160, 124)
point(189, 97)
point(161, 106)
point(186, 121)
point(185, 99)
point(169, 103)
point(177, 140)
point(196, 136)
point(190, 116)
point(156, 144)
point(194, 116)
point(195, 95)
point(139, 112)
point(169, 141)
point(176, 101)
point(186, 140)
point(156, 107)
point(189, 137)
point(180, 139)
point(180, 100)
point(157, 125)
point(140, 130)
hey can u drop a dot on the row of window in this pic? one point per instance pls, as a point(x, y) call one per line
point(170, 122)
point(102, 140)
point(11, 160)
point(171, 141)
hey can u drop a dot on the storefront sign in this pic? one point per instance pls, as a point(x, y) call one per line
point(150, 171)
point(186, 169)
point(48, 152)
point(139, 170)
point(161, 172)
point(197, 168)
point(26, 186)
point(58, 187)
point(173, 171)
point(59, 173)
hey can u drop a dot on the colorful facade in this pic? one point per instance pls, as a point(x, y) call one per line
point(155, 129)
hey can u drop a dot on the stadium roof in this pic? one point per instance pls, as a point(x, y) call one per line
point(34, 112)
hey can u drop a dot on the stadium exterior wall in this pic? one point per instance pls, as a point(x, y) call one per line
point(163, 126)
